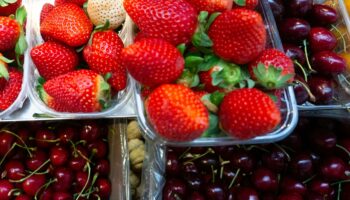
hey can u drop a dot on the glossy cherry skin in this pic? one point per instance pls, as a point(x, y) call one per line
point(301, 166)
point(299, 8)
point(320, 187)
point(265, 180)
point(301, 94)
point(62, 196)
point(64, 177)
point(38, 159)
point(322, 88)
point(77, 163)
point(173, 188)
point(67, 134)
point(196, 196)
point(104, 188)
point(322, 139)
point(59, 156)
point(5, 188)
point(294, 52)
point(323, 15)
point(289, 196)
point(243, 160)
point(294, 29)
point(14, 170)
point(277, 8)
point(188, 168)
point(24, 135)
point(193, 182)
point(90, 131)
point(47, 194)
point(103, 167)
point(333, 168)
point(245, 193)
point(81, 179)
point(172, 165)
point(32, 184)
point(225, 151)
point(275, 160)
point(207, 162)
point(45, 138)
point(23, 197)
point(6, 142)
point(215, 191)
point(291, 185)
point(294, 141)
point(328, 62)
point(99, 149)
point(321, 39)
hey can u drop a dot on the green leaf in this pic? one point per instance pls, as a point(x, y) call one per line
point(202, 17)
point(102, 27)
point(4, 72)
point(201, 39)
point(3, 3)
point(195, 81)
point(209, 61)
point(250, 83)
point(211, 20)
point(41, 80)
point(107, 76)
point(240, 2)
point(231, 73)
point(21, 45)
point(216, 78)
point(181, 48)
point(5, 60)
point(10, 1)
point(80, 49)
point(217, 97)
point(213, 130)
point(21, 15)
point(192, 63)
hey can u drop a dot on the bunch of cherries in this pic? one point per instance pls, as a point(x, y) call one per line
point(311, 164)
point(54, 161)
point(311, 38)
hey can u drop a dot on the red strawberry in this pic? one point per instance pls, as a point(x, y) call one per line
point(139, 36)
point(276, 69)
point(207, 80)
point(51, 102)
point(249, 4)
point(4, 74)
point(211, 5)
point(53, 59)
point(174, 21)
point(103, 54)
point(11, 90)
point(10, 8)
point(176, 113)
point(153, 61)
point(247, 113)
point(78, 2)
point(67, 23)
point(118, 79)
point(47, 7)
point(78, 91)
point(238, 35)
point(9, 33)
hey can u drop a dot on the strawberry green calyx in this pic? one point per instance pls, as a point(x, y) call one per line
point(21, 45)
point(104, 93)
point(229, 75)
point(240, 2)
point(4, 3)
point(271, 78)
point(188, 79)
point(3, 68)
point(181, 48)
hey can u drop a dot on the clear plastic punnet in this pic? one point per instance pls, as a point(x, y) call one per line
point(35, 38)
point(18, 103)
point(288, 106)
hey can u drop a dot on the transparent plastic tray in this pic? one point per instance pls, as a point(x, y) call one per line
point(342, 105)
point(117, 103)
point(18, 103)
point(288, 108)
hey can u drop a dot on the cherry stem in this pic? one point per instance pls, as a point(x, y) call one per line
point(309, 179)
point(43, 140)
point(15, 135)
point(234, 178)
point(288, 148)
point(74, 148)
point(257, 147)
point(98, 197)
point(221, 171)
point(301, 68)
point(200, 156)
point(311, 96)
point(343, 181)
point(339, 191)
point(341, 35)
point(7, 153)
point(91, 189)
point(307, 57)
point(283, 150)
point(184, 153)
point(344, 78)
point(213, 174)
point(87, 181)
point(31, 174)
point(46, 185)
point(41, 173)
point(343, 148)
point(14, 192)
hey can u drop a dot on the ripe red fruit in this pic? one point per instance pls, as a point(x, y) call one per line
point(247, 113)
point(5, 188)
point(47, 7)
point(78, 2)
point(10, 8)
point(58, 156)
point(11, 90)
point(33, 183)
point(177, 113)
point(249, 4)
point(9, 33)
point(207, 80)
point(239, 47)
point(211, 5)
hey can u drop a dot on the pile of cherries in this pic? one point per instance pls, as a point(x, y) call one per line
point(54, 161)
point(311, 164)
point(310, 37)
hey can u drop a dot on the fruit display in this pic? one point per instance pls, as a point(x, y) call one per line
point(13, 45)
point(136, 148)
point(315, 36)
point(312, 163)
point(198, 74)
point(78, 64)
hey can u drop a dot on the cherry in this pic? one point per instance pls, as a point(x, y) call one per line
point(104, 188)
point(23, 197)
point(64, 179)
point(58, 155)
point(193, 182)
point(208, 162)
point(294, 29)
point(301, 166)
point(172, 165)
point(189, 168)
point(215, 191)
point(275, 159)
point(299, 8)
point(77, 163)
point(198, 150)
point(44, 138)
point(320, 187)
point(38, 159)
point(14, 170)
point(24, 135)
point(99, 149)
point(196, 196)
point(265, 180)
point(328, 62)
point(322, 139)
point(245, 193)
point(5, 190)
point(314, 196)
point(277, 8)
point(81, 150)
point(333, 168)
point(323, 15)
point(90, 131)
point(103, 167)
point(6, 142)
point(315, 157)
point(321, 39)
point(19, 154)
point(291, 185)
point(301, 93)
point(225, 151)
point(294, 53)
point(289, 196)
point(47, 194)
point(67, 134)
point(243, 160)
point(229, 174)
point(33, 183)
point(322, 88)
point(62, 196)
point(174, 189)
point(294, 141)
point(81, 178)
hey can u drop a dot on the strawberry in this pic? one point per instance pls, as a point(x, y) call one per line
point(238, 35)
point(207, 80)
point(53, 59)
point(77, 91)
point(11, 90)
point(272, 69)
point(247, 113)
point(139, 36)
point(77, 2)
point(211, 5)
point(4, 74)
point(153, 61)
point(67, 23)
point(9, 33)
point(176, 113)
point(51, 102)
point(100, 11)
point(7, 9)
point(249, 4)
point(118, 79)
point(103, 53)
point(45, 11)
point(174, 21)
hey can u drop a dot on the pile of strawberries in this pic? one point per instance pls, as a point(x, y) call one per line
point(12, 48)
point(79, 65)
point(204, 66)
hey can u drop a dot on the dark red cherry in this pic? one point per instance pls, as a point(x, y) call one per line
point(193, 182)
point(328, 62)
point(33, 183)
point(208, 162)
point(294, 52)
point(64, 177)
point(300, 91)
point(81, 179)
point(333, 168)
point(6, 142)
point(322, 88)
point(59, 156)
point(172, 166)
point(104, 188)
point(291, 185)
point(320, 187)
point(275, 159)
point(99, 149)
point(62, 196)
point(38, 159)
point(5, 188)
point(67, 134)
point(189, 168)
point(47, 194)
point(322, 139)
point(245, 193)
point(301, 166)
point(289, 196)
point(323, 15)
point(215, 191)
point(173, 189)
point(265, 180)
point(23, 197)
point(77, 163)
point(90, 131)
point(243, 160)
point(196, 196)
point(45, 138)
point(103, 167)
point(294, 29)
point(14, 170)
point(299, 8)
point(321, 39)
